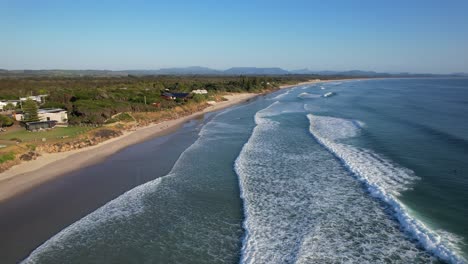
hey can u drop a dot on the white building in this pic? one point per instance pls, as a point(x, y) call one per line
point(200, 91)
point(38, 98)
point(53, 114)
point(5, 103)
point(49, 114)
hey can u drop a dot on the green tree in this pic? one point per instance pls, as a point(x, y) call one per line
point(199, 98)
point(5, 121)
point(9, 106)
point(30, 111)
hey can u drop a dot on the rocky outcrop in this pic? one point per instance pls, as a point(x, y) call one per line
point(31, 155)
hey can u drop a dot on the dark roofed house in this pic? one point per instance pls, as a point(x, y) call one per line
point(173, 96)
point(168, 96)
point(33, 126)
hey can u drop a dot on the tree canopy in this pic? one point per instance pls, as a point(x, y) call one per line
point(30, 111)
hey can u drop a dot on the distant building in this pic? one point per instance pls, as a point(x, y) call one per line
point(173, 96)
point(4, 103)
point(200, 91)
point(38, 98)
point(58, 115)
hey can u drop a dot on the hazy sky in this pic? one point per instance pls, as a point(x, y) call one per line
point(410, 35)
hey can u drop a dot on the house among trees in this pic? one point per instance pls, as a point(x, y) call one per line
point(32, 126)
point(40, 99)
point(58, 115)
point(6, 105)
point(54, 114)
point(174, 96)
point(200, 91)
point(34, 119)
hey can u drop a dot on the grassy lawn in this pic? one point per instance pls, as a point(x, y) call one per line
point(55, 133)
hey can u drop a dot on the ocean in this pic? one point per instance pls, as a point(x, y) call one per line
point(375, 173)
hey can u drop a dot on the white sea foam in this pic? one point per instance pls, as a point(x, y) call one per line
point(127, 205)
point(281, 95)
point(278, 108)
point(308, 96)
point(130, 205)
point(383, 179)
point(301, 206)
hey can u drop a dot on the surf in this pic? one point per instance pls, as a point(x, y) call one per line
point(302, 206)
point(383, 179)
point(172, 219)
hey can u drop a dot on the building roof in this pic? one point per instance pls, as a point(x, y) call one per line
point(40, 122)
point(180, 95)
point(50, 110)
point(176, 95)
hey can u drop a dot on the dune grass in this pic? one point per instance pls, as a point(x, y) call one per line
point(55, 133)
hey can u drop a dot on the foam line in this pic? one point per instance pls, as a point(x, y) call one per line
point(383, 180)
point(301, 206)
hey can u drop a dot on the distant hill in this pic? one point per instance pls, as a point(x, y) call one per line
point(197, 70)
point(255, 71)
point(461, 74)
point(194, 70)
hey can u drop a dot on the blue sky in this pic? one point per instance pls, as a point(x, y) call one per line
point(394, 36)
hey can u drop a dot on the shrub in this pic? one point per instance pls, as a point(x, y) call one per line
point(106, 133)
point(6, 157)
point(199, 98)
point(5, 121)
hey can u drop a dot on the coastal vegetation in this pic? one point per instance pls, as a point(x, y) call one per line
point(5, 121)
point(94, 100)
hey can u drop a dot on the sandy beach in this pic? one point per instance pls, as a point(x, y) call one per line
point(26, 175)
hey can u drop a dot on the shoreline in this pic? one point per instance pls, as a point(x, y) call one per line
point(326, 81)
point(27, 175)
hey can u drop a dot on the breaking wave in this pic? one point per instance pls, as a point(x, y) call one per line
point(308, 96)
point(134, 220)
point(281, 95)
point(383, 179)
point(301, 205)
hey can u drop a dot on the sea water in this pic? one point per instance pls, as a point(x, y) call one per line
point(376, 173)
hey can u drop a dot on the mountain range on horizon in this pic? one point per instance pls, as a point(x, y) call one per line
point(234, 71)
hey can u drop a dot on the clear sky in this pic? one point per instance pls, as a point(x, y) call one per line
point(394, 36)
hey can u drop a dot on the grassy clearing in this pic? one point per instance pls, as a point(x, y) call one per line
point(55, 133)
point(122, 117)
point(4, 157)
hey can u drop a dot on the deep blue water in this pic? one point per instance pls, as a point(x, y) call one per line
point(376, 173)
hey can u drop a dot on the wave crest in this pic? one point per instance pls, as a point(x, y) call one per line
point(382, 178)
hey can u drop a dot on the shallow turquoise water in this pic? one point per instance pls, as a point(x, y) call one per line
point(376, 173)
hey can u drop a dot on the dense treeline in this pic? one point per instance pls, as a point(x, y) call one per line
point(95, 99)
